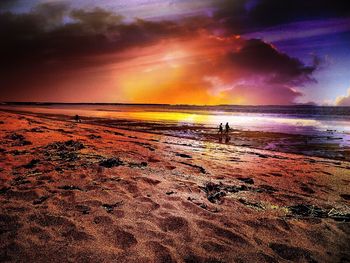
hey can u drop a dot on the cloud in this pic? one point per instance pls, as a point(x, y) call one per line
point(314, 28)
point(258, 73)
point(55, 48)
point(54, 37)
point(273, 12)
point(97, 20)
point(343, 100)
point(219, 71)
point(263, 94)
point(244, 16)
point(53, 31)
point(262, 58)
point(43, 49)
point(5, 4)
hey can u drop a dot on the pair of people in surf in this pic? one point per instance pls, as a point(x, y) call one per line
point(221, 132)
point(221, 129)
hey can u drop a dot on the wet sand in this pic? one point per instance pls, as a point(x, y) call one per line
point(310, 141)
point(89, 193)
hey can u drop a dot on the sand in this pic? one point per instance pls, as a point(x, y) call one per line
point(76, 192)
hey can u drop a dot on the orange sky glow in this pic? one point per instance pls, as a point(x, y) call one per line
point(174, 71)
point(177, 52)
point(181, 70)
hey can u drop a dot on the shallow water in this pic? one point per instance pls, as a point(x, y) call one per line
point(324, 132)
point(331, 123)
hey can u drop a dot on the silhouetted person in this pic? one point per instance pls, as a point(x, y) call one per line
point(227, 128)
point(77, 118)
point(221, 129)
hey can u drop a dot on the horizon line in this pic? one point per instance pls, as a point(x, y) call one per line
point(163, 104)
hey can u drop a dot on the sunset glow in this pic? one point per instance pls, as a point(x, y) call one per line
point(174, 131)
point(174, 52)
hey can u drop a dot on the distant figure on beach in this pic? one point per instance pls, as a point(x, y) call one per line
point(227, 128)
point(77, 118)
point(221, 129)
point(221, 132)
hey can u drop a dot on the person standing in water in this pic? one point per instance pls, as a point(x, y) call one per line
point(221, 129)
point(77, 118)
point(220, 132)
point(227, 128)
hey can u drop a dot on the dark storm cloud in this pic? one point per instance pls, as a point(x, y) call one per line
point(53, 32)
point(272, 12)
point(24, 36)
point(262, 58)
point(233, 15)
point(7, 3)
point(37, 48)
point(260, 73)
point(242, 16)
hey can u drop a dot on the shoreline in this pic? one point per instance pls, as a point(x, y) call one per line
point(311, 146)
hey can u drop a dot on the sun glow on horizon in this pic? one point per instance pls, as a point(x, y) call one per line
point(175, 72)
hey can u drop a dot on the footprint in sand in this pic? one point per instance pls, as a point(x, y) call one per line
point(122, 239)
point(76, 235)
point(40, 233)
point(306, 189)
point(213, 247)
point(48, 220)
point(66, 228)
point(161, 253)
point(295, 254)
point(174, 223)
point(221, 232)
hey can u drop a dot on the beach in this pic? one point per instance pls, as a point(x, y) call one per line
point(82, 192)
point(312, 131)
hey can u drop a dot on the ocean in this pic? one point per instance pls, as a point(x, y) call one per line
point(290, 119)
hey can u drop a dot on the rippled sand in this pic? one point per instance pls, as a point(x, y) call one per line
point(88, 193)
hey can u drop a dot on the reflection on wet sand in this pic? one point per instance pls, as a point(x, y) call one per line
point(279, 132)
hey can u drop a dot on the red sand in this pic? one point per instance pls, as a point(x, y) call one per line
point(164, 199)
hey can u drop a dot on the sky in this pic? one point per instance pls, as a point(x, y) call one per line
point(246, 52)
